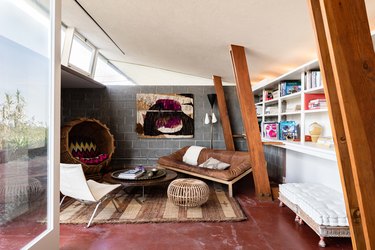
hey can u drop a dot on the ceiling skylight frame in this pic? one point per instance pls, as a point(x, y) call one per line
point(99, 56)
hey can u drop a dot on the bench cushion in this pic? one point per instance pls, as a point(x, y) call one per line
point(322, 204)
point(292, 191)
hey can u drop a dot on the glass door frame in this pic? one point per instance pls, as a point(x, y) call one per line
point(49, 239)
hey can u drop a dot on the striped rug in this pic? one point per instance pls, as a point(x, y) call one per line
point(156, 208)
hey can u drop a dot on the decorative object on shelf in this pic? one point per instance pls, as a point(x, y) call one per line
point(315, 130)
point(307, 138)
point(326, 142)
point(165, 116)
point(271, 130)
point(211, 119)
point(268, 94)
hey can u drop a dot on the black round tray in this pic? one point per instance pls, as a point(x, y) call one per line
point(144, 176)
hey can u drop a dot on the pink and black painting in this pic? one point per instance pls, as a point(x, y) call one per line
point(165, 115)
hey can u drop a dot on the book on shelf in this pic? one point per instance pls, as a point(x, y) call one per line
point(317, 101)
point(271, 110)
point(289, 87)
point(258, 109)
point(275, 93)
point(313, 79)
point(317, 104)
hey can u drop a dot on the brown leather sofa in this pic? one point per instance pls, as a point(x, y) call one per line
point(239, 165)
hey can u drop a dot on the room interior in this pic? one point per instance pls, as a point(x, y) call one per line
point(169, 47)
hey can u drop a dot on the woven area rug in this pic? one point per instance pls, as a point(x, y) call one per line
point(156, 208)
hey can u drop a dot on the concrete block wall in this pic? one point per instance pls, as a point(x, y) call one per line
point(115, 106)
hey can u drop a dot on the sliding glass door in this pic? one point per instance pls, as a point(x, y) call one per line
point(29, 122)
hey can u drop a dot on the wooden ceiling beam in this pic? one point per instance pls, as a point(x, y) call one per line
point(338, 131)
point(224, 117)
point(250, 122)
point(353, 64)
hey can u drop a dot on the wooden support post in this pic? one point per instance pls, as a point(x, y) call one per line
point(353, 63)
point(224, 117)
point(250, 122)
point(341, 146)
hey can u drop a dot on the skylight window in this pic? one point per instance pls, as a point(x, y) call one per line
point(81, 55)
point(108, 74)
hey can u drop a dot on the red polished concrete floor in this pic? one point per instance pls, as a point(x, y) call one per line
point(268, 227)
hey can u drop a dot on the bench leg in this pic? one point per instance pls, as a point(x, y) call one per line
point(230, 190)
point(322, 242)
point(300, 221)
point(297, 218)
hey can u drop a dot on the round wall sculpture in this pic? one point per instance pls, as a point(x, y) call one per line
point(88, 142)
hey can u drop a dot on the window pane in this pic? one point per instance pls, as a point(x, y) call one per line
point(106, 73)
point(24, 119)
point(81, 54)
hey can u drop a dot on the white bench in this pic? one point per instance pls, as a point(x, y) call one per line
point(319, 206)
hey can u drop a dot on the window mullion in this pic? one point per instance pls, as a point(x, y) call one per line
point(93, 63)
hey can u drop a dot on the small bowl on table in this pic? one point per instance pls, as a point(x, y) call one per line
point(154, 171)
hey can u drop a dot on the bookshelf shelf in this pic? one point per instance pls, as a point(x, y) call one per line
point(317, 90)
point(309, 148)
point(291, 96)
point(274, 100)
point(270, 115)
point(291, 113)
point(316, 111)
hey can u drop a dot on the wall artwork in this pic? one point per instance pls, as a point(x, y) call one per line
point(165, 116)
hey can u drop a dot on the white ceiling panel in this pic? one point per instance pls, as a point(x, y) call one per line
point(193, 37)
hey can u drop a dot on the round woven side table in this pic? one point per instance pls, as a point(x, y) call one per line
point(188, 192)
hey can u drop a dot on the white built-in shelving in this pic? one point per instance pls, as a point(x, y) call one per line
point(292, 108)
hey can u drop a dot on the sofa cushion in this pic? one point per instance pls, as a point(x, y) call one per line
point(213, 163)
point(239, 162)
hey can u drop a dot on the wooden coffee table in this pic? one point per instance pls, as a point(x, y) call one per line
point(170, 176)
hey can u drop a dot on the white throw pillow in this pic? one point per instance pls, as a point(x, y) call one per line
point(191, 155)
point(213, 163)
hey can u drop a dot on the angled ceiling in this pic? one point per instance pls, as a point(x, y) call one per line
point(193, 37)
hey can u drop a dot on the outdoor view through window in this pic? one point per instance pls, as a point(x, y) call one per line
point(25, 80)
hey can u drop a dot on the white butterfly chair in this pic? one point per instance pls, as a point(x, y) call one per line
point(73, 184)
